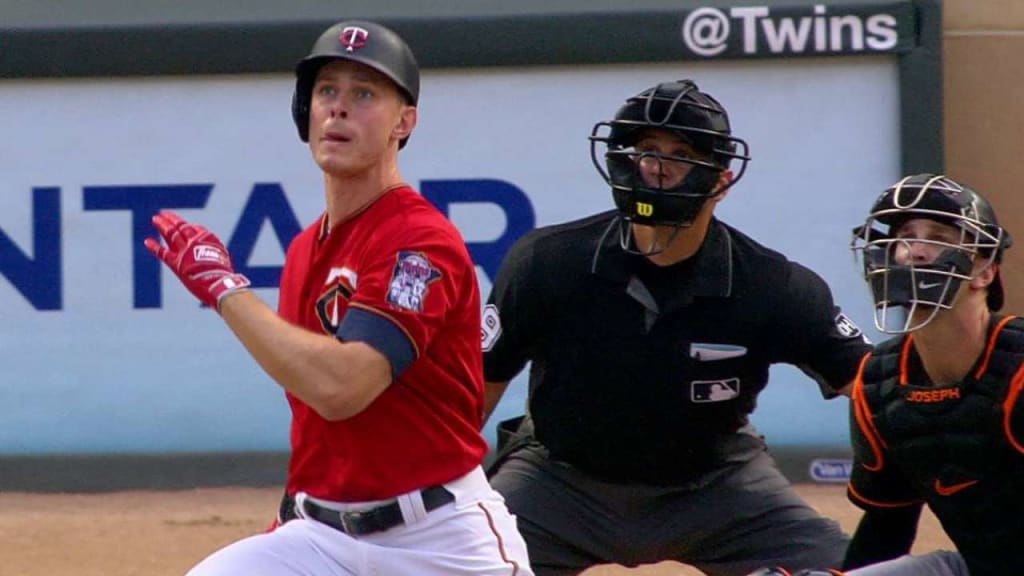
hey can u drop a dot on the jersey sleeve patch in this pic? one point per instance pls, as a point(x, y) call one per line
point(490, 327)
point(848, 328)
point(410, 281)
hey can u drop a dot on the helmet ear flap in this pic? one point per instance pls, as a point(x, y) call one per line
point(300, 109)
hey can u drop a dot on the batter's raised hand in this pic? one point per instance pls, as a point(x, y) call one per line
point(198, 257)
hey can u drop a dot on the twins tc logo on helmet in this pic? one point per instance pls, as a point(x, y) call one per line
point(353, 38)
point(410, 281)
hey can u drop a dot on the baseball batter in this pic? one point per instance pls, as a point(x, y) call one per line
point(376, 343)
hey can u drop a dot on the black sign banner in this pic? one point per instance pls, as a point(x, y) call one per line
point(814, 30)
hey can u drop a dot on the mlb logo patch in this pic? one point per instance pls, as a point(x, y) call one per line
point(410, 281)
point(702, 391)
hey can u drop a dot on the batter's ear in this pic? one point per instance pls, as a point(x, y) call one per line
point(406, 123)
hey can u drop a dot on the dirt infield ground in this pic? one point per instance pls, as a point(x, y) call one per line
point(165, 533)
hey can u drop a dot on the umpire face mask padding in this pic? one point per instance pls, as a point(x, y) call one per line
point(696, 118)
point(640, 203)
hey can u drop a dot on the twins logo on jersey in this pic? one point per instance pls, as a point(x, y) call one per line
point(410, 281)
point(340, 284)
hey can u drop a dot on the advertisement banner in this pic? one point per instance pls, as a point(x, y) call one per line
point(104, 351)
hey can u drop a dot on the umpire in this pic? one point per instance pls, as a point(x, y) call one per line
point(651, 329)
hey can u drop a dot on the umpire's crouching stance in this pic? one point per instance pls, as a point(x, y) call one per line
point(651, 329)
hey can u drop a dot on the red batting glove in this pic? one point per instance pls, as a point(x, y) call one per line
point(198, 257)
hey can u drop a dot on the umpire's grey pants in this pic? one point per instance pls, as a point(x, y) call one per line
point(731, 522)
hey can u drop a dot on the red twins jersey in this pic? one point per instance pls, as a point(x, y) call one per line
point(398, 277)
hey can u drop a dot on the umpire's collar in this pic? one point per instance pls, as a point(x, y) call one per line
point(712, 270)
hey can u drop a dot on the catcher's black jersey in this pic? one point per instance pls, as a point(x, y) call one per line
point(959, 448)
point(638, 371)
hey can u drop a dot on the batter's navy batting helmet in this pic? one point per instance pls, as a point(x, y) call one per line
point(929, 286)
point(696, 118)
point(360, 41)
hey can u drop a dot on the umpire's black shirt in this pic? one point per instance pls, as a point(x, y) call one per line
point(638, 371)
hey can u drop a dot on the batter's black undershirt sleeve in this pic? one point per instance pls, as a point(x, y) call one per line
point(882, 534)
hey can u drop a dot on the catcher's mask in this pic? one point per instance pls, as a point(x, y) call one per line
point(695, 118)
point(909, 294)
point(368, 43)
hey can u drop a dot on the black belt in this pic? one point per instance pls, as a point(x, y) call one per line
point(377, 519)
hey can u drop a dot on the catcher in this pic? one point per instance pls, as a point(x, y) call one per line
point(936, 413)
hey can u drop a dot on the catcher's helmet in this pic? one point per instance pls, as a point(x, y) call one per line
point(696, 118)
point(930, 286)
point(360, 41)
